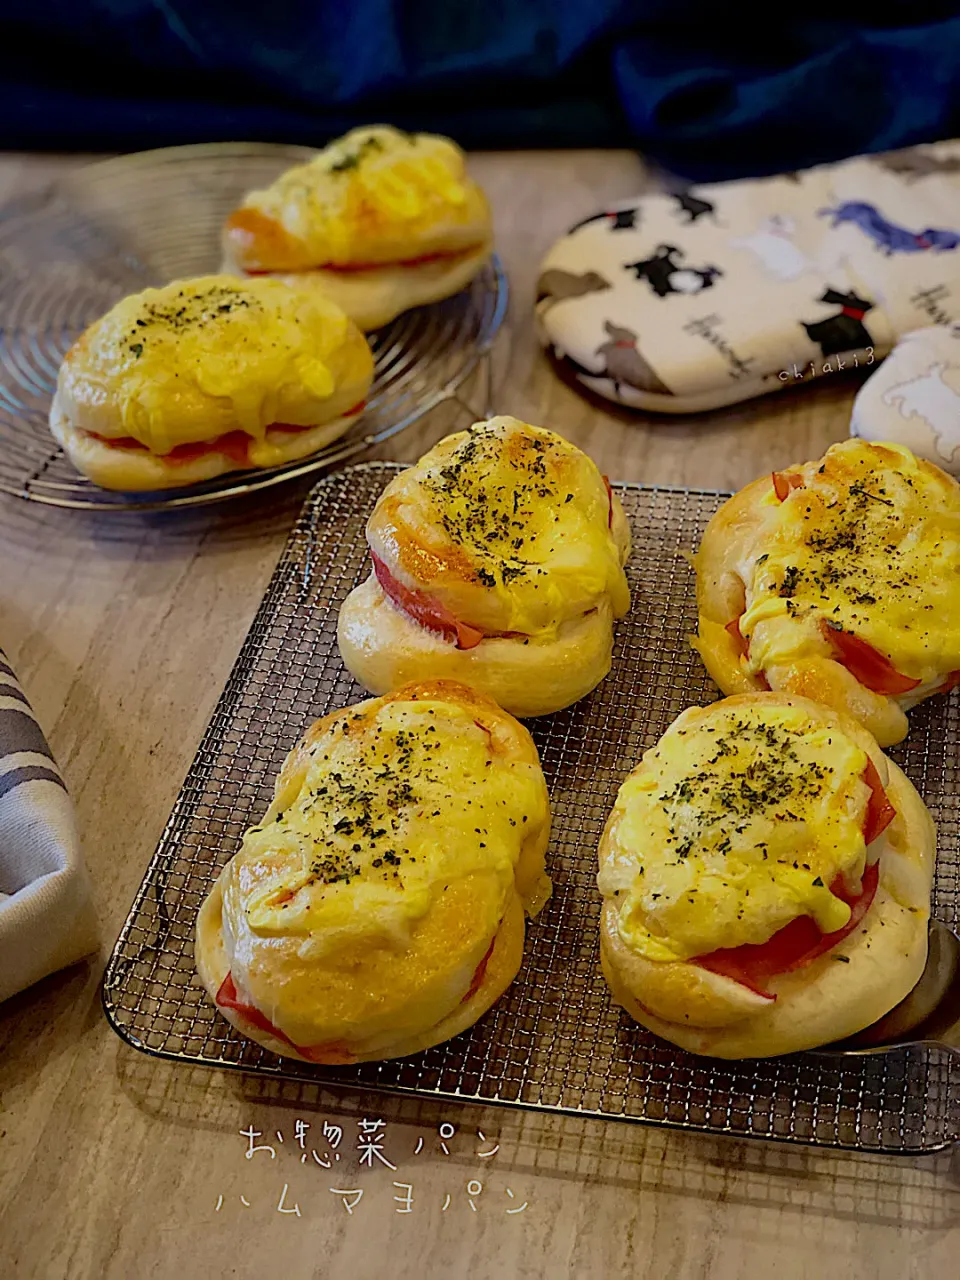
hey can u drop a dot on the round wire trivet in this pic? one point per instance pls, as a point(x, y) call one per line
point(113, 228)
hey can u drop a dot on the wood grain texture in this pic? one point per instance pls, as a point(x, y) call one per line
point(111, 1165)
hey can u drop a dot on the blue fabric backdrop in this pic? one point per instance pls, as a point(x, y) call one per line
point(710, 90)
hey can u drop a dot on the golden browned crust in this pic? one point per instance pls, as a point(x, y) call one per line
point(369, 997)
point(727, 541)
point(434, 560)
point(543, 580)
point(375, 197)
point(826, 1000)
point(256, 238)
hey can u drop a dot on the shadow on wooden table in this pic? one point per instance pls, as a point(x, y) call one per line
point(916, 1193)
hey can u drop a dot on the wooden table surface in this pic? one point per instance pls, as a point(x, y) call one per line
point(115, 1165)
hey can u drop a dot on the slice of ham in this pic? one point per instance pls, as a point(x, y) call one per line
point(951, 682)
point(425, 609)
point(480, 973)
point(234, 444)
point(784, 482)
point(430, 613)
point(421, 261)
point(800, 942)
point(880, 812)
point(333, 1053)
point(346, 268)
point(794, 946)
point(609, 502)
point(865, 663)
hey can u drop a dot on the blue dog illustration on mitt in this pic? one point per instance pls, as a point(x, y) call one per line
point(887, 235)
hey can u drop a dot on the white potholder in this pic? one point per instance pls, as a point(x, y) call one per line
point(914, 397)
point(46, 908)
point(685, 302)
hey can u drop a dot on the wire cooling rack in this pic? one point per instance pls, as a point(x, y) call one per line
point(114, 228)
point(555, 1041)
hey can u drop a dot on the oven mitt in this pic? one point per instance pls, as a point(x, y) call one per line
point(914, 397)
point(46, 910)
point(682, 302)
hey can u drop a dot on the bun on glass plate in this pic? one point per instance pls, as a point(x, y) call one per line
point(205, 376)
point(380, 221)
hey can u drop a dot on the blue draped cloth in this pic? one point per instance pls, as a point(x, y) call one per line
point(709, 91)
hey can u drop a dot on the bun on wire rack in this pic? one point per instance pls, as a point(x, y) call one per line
point(766, 875)
point(378, 906)
point(838, 580)
point(496, 560)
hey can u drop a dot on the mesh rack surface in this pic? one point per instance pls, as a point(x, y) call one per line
point(554, 1041)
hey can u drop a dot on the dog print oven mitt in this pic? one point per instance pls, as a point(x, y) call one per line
point(914, 397)
point(47, 919)
point(683, 302)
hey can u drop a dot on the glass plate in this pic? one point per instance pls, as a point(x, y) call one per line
point(116, 227)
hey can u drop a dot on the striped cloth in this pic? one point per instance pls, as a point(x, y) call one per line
point(46, 910)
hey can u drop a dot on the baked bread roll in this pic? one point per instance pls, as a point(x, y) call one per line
point(181, 384)
point(380, 221)
point(838, 580)
point(766, 876)
point(497, 560)
point(378, 907)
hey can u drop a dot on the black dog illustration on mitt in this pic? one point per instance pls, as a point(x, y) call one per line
point(619, 220)
point(665, 275)
point(844, 331)
point(693, 206)
point(911, 163)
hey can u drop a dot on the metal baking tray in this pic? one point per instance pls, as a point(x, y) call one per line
point(555, 1041)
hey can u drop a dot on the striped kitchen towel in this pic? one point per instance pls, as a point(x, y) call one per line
point(47, 919)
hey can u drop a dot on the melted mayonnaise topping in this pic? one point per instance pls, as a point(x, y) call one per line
point(871, 544)
point(371, 191)
point(510, 522)
point(198, 357)
point(389, 808)
point(736, 823)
